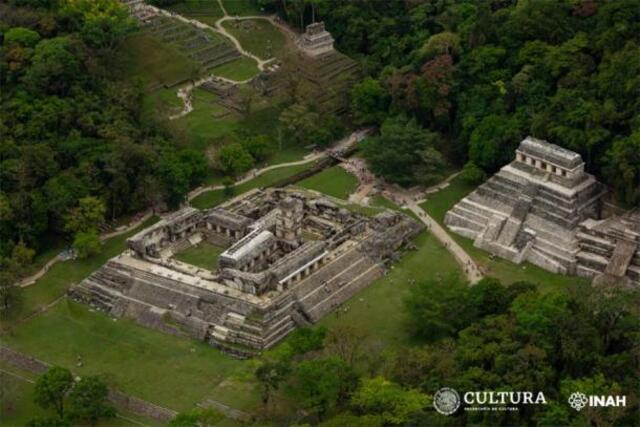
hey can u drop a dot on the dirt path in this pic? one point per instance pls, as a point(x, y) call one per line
point(467, 264)
point(224, 9)
point(411, 199)
point(361, 193)
point(437, 187)
point(341, 144)
point(185, 92)
point(262, 63)
point(30, 280)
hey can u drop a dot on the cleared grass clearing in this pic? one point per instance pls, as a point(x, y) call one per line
point(258, 36)
point(162, 103)
point(437, 206)
point(157, 64)
point(18, 407)
point(239, 69)
point(207, 124)
point(210, 125)
point(61, 276)
point(171, 371)
point(334, 181)
point(379, 309)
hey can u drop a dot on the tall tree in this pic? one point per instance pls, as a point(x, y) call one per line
point(88, 401)
point(52, 387)
point(88, 215)
point(321, 385)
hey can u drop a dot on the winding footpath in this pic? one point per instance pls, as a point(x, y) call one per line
point(411, 200)
point(466, 263)
point(185, 92)
point(342, 144)
point(30, 280)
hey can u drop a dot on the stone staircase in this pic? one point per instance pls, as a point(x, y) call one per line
point(345, 292)
point(338, 281)
point(621, 258)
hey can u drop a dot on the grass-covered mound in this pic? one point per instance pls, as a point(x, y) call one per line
point(157, 64)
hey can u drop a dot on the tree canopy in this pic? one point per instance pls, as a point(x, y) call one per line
point(482, 75)
point(72, 127)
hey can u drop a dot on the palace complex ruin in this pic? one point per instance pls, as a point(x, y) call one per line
point(544, 208)
point(290, 258)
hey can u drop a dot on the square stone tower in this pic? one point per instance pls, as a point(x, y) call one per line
point(289, 222)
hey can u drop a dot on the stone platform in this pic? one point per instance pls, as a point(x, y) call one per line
point(327, 74)
point(530, 209)
point(292, 257)
point(609, 249)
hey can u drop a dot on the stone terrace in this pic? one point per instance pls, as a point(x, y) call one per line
point(203, 46)
point(610, 249)
point(329, 73)
point(531, 208)
point(272, 277)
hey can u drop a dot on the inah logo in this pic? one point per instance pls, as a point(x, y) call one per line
point(578, 400)
point(446, 401)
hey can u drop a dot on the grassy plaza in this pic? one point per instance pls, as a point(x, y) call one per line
point(204, 255)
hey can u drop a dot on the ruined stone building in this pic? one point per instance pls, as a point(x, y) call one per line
point(609, 249)
point(326, 73)
point(544, 208)
point(291, 257)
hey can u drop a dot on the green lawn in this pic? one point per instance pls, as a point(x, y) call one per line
point(18, 407)
point(437, 206)
point(156, 63)
point(439, 203)
point(57, 280)
point(334, 181)
point(203, 255)
point(212, 124)
point(172, 371)
point(258, 36)
point(49, 247)
point(239, 69)
point(206, 10)
point(208, 124)
point(379, 309)
point(210, 199)
point(242, 7)
point(162, 103)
